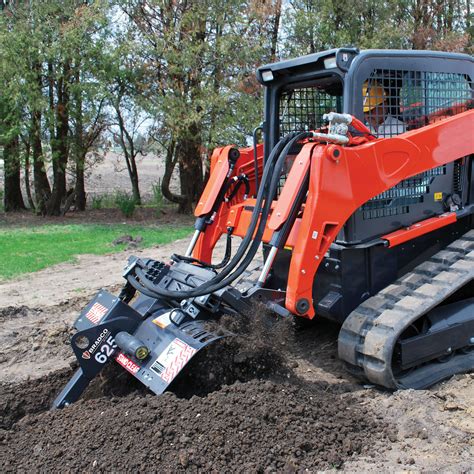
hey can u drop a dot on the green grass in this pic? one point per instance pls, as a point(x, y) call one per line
point(25, 250)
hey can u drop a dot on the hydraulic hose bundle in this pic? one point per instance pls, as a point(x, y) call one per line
point(241, 260)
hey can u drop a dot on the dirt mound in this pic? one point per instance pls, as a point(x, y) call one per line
point(256, 351)
point(254, 426)
point(36, 396)
point(19, 400)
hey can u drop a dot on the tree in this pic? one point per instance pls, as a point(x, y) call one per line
point(197, 55)
point(49, 49)
point(89, 121)
point(13, 199)
point(127, 133)
point(10, 123)
point(122, 77)
point(312, 26)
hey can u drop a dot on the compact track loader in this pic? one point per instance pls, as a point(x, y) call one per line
point(358, 207)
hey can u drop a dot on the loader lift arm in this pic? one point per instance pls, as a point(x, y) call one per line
point(341, 179)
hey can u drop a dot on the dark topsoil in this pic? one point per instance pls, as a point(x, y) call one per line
point(253, 415)
point(253, 426)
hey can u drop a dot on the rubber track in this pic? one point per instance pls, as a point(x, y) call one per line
point(369, 334)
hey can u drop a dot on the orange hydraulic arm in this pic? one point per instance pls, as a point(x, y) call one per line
point(341, 179)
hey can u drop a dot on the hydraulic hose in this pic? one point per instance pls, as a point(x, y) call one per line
point(223, 263)
point(217, 282)
point(255, 158)
point(272, 191)
point(268, 171)
point(270, 179)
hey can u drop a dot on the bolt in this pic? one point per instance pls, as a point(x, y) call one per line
point(449, 350)
point(471, 341)
point(303, 272)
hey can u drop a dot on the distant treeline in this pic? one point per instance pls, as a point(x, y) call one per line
point(174, 75)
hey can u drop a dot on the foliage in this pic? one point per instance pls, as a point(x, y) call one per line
point(174, 75)
point(311, 26)
point(158, 198)
point(97, 202)
point(198, 81)
point(25, 250)
point(50, 53)
point(126, 203)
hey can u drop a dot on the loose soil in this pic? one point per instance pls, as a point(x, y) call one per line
point(277, 399)
point(246, 427)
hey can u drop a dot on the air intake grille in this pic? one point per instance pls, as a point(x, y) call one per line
point(457, 177)
point(396, 201)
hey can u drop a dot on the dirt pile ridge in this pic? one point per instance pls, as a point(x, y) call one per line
point(259, 349)
point(253, 426)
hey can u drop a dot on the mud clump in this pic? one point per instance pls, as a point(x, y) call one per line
point(253, 426)
point(10, 312)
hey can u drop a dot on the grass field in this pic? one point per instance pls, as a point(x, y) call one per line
point(25, 250)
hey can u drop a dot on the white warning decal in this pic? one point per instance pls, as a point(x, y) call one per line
point(172, 360)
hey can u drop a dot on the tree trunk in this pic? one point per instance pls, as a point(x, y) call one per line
point(134, 181)
point(40, 178)
point(128, 148)
point(59, 146)
point(170, 163)
point(13, 199)
point(31, 203)
point(275, 30)
point(190, 168)
point(133, 170)
point(79, 188)
point(130, 161)
point(79, 148)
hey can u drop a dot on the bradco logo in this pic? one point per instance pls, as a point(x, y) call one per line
point(102, 348)
point(98, 341)
point(102, 336)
